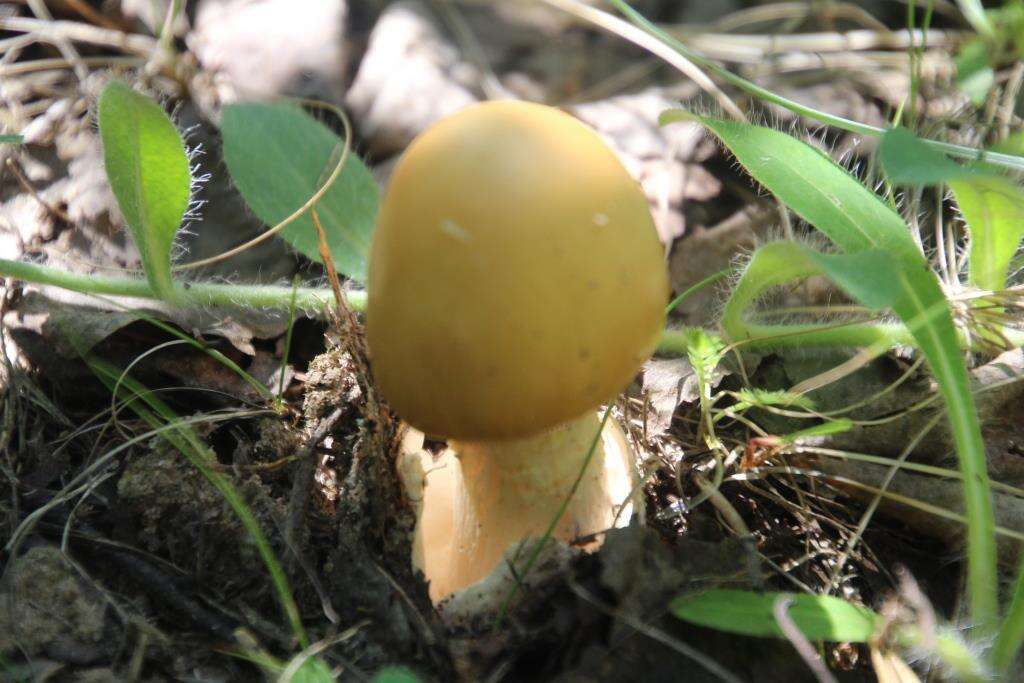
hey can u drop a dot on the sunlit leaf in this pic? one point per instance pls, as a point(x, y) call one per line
point(812, 185)
point(278, 157)
point(824, 429)
point(754, 397)
point(148, 171)
point(993, 208)
point(819, 617)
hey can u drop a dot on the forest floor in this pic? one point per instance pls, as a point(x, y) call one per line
point(122, 562)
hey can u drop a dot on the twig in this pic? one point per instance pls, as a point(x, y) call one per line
point(63, 44)
point(489, 82)
point(304, 475)
point(60, 63)
point(91, 15)
point(62, 31)
point(800, 643)
point(328, 261)
point(754, 48)
point(27, 186)
point(776, 11)
point(634, 35)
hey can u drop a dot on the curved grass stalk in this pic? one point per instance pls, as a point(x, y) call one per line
point(299, 212)
point(960, 151)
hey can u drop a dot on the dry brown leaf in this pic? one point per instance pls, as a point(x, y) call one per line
point(669, 382)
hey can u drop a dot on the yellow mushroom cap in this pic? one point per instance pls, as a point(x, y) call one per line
point(516, 279)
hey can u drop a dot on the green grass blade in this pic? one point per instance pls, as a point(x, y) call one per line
point(879, 280)
point(836, 426)
point(1011, 632)
point(1013, 161)
point(149, 173)
point(277, 155)
point(158, 414)
point(819, 617)
point(754, 397)
point(976, 15)
point(11, 139)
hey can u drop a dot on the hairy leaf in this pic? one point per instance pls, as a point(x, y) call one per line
point(149, 173)
point(908, 161)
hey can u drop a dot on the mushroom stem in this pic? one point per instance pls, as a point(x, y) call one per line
point(508, 489)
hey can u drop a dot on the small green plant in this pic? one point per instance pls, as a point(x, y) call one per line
point(998, 40)
point(821, 618)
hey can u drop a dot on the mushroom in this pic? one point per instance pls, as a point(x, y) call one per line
point(516, 283)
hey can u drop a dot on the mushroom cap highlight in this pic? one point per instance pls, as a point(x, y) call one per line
point(516, 279)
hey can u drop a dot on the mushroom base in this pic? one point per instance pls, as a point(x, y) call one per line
point(478, 498)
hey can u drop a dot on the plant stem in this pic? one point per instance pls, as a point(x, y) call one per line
point(313, 300)
point(1011, 632)
point(949, 649)
point(193, 294)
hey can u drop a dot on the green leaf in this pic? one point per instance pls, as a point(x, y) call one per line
point(993, 208)
point(819, 617)
point(313, 670)
point(824, 429)
point(974, 73)
point(11, 139)
point(778, 263)
point(278, 157)
point(882, 280)
point(755, 397)
point(395, 674)
point(908, 161)
point(816, 188)
point(1011, 144)
point(883, 269)
point(149, 173)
